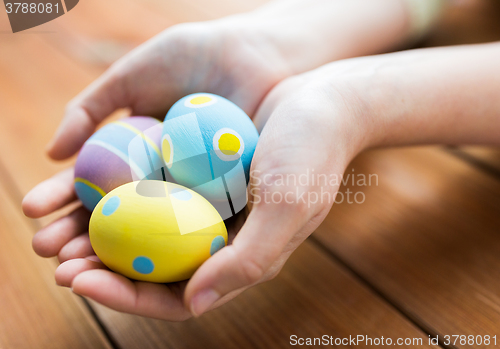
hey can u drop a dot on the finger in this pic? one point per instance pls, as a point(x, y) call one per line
point(257, 246)
point(50, 195)
point(49, 241)
point(78, 247)
point(67, 271)
point(93, 258)
point(141, 298)
point(227, 298)
point(86, 111)
point(282, 217)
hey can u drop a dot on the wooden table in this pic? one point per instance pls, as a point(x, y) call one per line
point(420, 257)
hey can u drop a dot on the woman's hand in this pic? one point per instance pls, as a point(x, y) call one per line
point(313, 124)
point(319, 121)
point(240, 57)
point(211, 57)
point(309, 126)
point(310, 129)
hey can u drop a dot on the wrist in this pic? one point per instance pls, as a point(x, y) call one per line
point(308, 34)
point(430, 96)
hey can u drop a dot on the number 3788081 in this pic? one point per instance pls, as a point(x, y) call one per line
point(24, 7)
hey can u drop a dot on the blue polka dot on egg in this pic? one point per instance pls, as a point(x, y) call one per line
point(143, 265)
point(217, 243)
point(111, 206)
point(89, 196)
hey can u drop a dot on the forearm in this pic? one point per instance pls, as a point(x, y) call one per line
point(443, 95)
point(310, 33)
point(428, 96)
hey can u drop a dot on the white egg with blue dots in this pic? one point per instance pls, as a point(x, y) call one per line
point(155, 231)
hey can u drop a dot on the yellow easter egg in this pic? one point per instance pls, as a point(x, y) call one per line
point(155, 231)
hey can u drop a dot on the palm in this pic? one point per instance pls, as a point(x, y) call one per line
point(196, 58)
point(81, 269)
point(186, 59)
point(202, 57)
point(165, 301)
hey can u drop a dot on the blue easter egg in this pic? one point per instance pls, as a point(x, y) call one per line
point(207, 145)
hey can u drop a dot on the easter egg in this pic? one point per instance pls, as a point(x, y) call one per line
point(207, 145)
point(155, 231)
point(120, 152)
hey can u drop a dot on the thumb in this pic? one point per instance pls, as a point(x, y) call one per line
point(294, 140)
point(251, 257)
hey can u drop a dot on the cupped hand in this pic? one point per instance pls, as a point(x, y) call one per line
point(80, 269)
point(309, 125)
point(309, 128)
point(219, 57)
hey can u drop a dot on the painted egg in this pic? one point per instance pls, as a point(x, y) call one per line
point(119, 153)
point(155, 231)
point(207, 145)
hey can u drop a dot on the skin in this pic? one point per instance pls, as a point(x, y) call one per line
point(318, 120)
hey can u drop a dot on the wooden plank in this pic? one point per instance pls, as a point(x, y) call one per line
point(312, 296)
point(34, 89)
point(486, 158)
point(35, 312)
point(426, 237)
point(108, 39)
point(60, 74)
point(200, 10)
point(44, 79)
point(466, 22)
point(117, 27)
point(470, 22)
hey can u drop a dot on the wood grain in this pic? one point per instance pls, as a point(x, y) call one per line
point(120, 25)
point(426, 237)
point(34, 90)
point(486, 158)
point(466, 22)
point(470, 22)
point(35, 313)
point(311, 297)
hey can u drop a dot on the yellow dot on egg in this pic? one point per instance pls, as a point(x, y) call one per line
point(229, 144)
point(166, 150)
point(200, 100)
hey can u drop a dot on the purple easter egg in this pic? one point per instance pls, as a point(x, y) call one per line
point(121, 152)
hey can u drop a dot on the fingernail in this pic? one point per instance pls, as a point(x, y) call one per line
point(202, 301)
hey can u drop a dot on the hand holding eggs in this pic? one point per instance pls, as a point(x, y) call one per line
point(149, 229)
